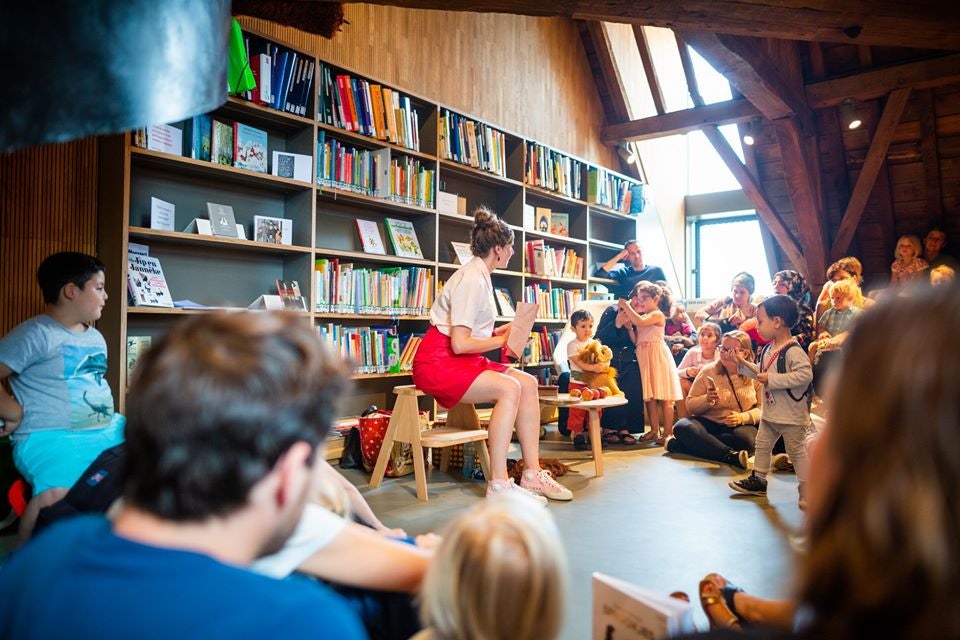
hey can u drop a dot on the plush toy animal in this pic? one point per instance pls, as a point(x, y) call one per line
point(595, 353)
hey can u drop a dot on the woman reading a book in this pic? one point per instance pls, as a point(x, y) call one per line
point(450, 365)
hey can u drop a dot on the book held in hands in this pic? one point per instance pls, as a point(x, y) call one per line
point(624, 611)
point(145, 282)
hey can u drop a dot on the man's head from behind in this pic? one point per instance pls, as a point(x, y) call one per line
point(218, 404)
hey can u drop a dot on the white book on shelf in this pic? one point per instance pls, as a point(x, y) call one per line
point(625, 611)
point(295, 166)
point(165, 138)
point(162, 214)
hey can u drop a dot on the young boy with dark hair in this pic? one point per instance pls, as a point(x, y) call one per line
point(61, 415)
point(786, 374)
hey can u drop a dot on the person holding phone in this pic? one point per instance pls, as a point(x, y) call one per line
point(629, 274)
point(724, 408)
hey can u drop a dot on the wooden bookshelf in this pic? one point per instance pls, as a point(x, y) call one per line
point(231, 273)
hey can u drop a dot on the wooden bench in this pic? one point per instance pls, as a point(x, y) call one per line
point(463, 426)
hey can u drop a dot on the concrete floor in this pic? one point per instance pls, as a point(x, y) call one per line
point(659, 521)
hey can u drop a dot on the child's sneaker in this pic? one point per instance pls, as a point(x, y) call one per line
point(781, 462)
point(500, 487)
point(542, 483)
point(752, 485)
point(580, 442)
point(670, 444)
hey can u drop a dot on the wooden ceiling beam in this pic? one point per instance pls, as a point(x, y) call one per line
point(648, 70)
point(830, 93)
point(868, 173)
point(893, 24)
point(926, 74)
point(608, 68)
point(693, 87)
point(801, 172)
point(765, 210)
point(744, 63)
point(931, 160)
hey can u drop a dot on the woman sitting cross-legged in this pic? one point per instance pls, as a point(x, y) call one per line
point(724, 409)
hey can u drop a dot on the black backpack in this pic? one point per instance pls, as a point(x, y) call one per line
point(782, 368)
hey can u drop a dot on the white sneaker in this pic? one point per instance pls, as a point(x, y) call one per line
point(500, 487)
point(542, 483)
point(781, 462)
point(743, 458)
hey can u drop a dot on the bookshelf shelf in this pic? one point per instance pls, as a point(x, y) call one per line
point(602, 280)
point(332, 193)
point(232, 272)
point(604, 243)
point(373, 257)
point(555, 238)
point(204, 168)
point(477, 174)
point(155, 235)
point(259, 115)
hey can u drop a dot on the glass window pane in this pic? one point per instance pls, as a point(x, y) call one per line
point(725, 248)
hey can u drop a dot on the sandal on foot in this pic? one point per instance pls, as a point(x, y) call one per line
point(716, 598)
point(649, 436)
point(611, 437)
point(626, 438)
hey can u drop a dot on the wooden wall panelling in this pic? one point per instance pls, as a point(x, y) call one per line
point(47, 204)
point(527, 75)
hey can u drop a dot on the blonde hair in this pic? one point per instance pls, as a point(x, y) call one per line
point(943, 273)
point(914, 242)
point(847, 288)
point(746, 344)
point(500, 574)
point(884, 560)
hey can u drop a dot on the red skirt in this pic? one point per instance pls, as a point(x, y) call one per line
point(445, 375)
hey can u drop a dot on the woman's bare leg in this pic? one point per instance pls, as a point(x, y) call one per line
point(504, 390)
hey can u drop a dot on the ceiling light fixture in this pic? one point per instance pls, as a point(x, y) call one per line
point(848, 114)
point(627, 152)
point(753, 130)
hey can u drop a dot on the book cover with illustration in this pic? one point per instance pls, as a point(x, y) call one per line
point(560, 223)
point(370, 237)
point(221, 143)
point(403, 237)
point(222, 221)
point(145, 282)
point(272, 230)
point(249, 148)
point(463, 251)
point(136, 347)
point(201, 128)
point(289, 291)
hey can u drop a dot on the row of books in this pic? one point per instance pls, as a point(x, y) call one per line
point(284, 78)
point(354, 104)
point(472, 143)
point(345, 288)
point(614, 192)
point(544, 260)
point(377, 173)
point(552, 170)
point(233, 144)
point(371, 349)
point(554, 303)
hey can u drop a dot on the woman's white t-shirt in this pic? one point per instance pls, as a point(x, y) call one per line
point(466, 300)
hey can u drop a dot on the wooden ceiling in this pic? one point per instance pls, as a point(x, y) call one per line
point(822, 191)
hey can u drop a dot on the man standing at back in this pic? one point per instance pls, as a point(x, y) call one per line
point(226, 416)
point(933, 245)
point(631, 273)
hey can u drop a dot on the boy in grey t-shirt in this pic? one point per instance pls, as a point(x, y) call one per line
point(784, 410)
point(61, 416)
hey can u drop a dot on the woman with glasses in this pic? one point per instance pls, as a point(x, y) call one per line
point(724, 409)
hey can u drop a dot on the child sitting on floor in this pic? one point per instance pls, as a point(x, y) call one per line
point(499, 574)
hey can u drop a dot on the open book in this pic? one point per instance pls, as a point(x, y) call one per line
point(520, 328)
point(624, 611)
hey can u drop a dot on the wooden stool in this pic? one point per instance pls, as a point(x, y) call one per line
point(463, 426)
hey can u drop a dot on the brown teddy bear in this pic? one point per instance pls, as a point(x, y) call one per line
point(596, 353)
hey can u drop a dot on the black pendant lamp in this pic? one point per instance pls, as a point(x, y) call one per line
point(75, 68)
